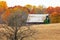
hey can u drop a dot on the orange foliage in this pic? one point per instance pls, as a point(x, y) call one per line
point(26, 10)
point(50, 10)
point(2, 10)
point(54, 13)
point(32, 11)
point(17, 7)
point(5, 15)
point(3, 4)
point(55, 17)
point(29, 7)
point(57, 9)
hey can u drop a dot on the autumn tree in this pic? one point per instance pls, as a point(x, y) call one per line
point(38, 10)
point(55, 17)
point(29, 7)
point(15, 18)
point(50, 10)
point(3, 6)
point(57, 9)
point(5, 16)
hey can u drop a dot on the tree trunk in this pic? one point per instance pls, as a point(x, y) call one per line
point(16, 33)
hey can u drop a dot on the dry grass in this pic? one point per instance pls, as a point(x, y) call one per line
point(44, 32)
point(6, 32)
point(47, 31)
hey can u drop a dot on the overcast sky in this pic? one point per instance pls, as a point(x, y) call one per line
point(46, 3)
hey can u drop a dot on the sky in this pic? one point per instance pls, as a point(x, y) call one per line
point(45, 3)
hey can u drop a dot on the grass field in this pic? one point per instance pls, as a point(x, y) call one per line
point(44, 32)
point(47, 31)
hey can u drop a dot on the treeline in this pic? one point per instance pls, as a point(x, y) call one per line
point(6, 12)
point(54, 14)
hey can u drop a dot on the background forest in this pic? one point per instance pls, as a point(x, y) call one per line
point(6, 12)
